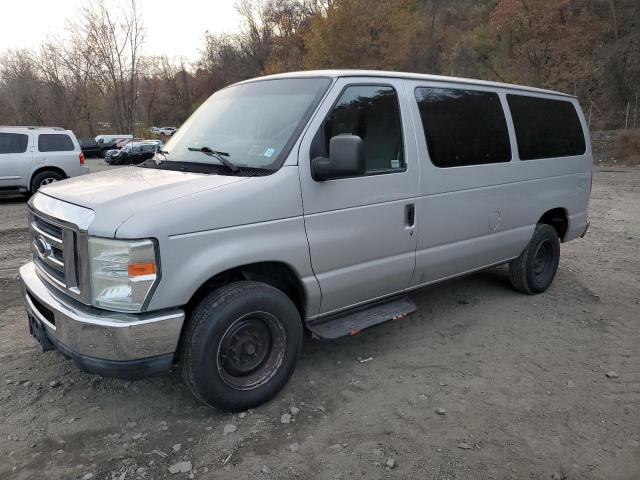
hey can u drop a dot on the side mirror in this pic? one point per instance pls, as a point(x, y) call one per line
point(346, 159)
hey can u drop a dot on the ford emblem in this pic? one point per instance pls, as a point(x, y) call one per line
point(44, 248)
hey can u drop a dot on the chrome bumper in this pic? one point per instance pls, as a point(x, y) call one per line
point(102, 342)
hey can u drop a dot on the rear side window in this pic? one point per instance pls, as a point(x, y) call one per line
point(546, 128)
point(463, 127)
point(55, 142)
point(372, 113)
point(13, 142)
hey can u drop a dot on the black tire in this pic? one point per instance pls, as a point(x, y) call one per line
point(534, 270)
point(44, 178)
point(240, 346)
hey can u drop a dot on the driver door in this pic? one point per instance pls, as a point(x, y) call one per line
point(362, 230)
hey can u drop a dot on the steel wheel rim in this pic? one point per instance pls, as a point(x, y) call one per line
point(251, 351)
point(543, 259)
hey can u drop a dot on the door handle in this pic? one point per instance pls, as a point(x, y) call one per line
point(410, 215)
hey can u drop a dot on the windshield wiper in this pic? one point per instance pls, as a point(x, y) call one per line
point(220, 156)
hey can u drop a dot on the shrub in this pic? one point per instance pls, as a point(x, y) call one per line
point(628, 147)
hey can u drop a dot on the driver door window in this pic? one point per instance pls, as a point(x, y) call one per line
point(372, 113)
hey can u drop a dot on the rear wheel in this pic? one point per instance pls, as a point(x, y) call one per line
point(241, 346)
point(45, 178)
point(534, 270)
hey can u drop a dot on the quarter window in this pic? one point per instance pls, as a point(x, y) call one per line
point(55, 142)
point(546, 128)
point(372, 113)
point(463, 127)
point(13, 143)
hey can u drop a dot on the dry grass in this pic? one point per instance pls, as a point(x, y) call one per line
point(628, 147)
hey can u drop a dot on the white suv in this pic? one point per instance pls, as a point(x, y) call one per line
point(167, 131)
point(34, 156)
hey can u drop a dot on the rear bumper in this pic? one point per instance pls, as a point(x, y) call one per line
point(110, 344)
point(586, 228)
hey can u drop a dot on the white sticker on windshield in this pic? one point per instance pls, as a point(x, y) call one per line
point(269, 152)
point(395, 163)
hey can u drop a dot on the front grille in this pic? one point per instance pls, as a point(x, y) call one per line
point(48, 227)
point(52, 271)
point(60, 245)
point(53, 247)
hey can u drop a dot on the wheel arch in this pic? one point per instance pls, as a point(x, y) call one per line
point(278, 274)
point(46, 168)
point(558, 218)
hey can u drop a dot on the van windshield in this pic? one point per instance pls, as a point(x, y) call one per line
point(255, 124)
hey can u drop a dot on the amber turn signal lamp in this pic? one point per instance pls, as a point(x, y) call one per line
point(138, 269)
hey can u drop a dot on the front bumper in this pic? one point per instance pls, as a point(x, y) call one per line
point(108, 343)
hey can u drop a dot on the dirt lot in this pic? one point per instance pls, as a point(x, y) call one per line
point(522, 381)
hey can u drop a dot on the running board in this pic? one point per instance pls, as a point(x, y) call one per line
point(354, 321)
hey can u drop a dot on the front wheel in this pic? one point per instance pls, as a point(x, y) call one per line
point(534, 270)
point(241, 346)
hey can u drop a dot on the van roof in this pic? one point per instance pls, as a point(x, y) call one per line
point(408, 76)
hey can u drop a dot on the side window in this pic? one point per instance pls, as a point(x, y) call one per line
point(372, 113)
point(13, 142)
point(546, 128)
point(55, 142)
point(463, 127)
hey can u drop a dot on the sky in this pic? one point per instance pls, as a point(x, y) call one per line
point(173, 27)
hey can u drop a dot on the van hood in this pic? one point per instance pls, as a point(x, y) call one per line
point(117, 194)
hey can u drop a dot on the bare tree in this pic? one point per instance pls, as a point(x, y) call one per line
point(116, 42)
point(22, 85)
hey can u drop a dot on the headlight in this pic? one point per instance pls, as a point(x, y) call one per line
point(123, 273)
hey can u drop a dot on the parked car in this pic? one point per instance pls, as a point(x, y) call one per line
point(155, 130)
point(112, 138)
point(167, 131)
point(90, 147)
point(126, 141)
point(115, 151)
point(110, 144)
point(157, 143)
point(132, 153)
point(31, 157)
point(110, 153)
point(320, 216)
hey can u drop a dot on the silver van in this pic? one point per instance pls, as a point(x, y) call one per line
point(303, 202)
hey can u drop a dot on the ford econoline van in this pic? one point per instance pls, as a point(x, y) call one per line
point(312, 201)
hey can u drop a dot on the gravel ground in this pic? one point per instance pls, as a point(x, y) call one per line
point(481, 382)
